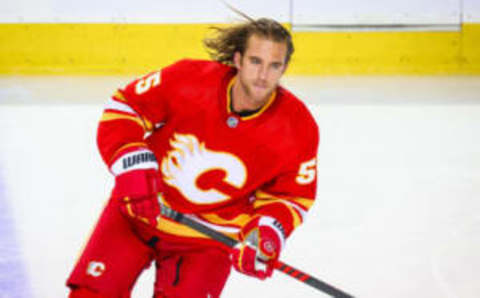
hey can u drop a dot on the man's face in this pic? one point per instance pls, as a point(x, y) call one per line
point(260, 67)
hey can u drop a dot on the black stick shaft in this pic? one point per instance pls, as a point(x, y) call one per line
point(311, 281)
point(230, 242)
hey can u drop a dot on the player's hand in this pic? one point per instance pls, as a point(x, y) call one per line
point(137, 185)
point(259, 250)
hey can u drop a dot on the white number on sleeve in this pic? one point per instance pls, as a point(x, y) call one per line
point(307, 172)
point(145, 84)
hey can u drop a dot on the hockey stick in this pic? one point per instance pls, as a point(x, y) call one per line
point(230, 242)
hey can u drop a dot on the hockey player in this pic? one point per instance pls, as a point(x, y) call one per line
point(219, 140)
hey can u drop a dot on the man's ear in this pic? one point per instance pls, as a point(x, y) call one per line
point(237, 59)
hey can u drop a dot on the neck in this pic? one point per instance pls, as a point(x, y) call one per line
point(241, 101)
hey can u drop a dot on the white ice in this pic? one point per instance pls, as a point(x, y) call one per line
point(397, 213)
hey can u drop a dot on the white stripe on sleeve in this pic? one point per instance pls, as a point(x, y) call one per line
point(118, 106)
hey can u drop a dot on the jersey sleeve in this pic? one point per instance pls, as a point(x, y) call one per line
point(134, 111)
point(289, 196)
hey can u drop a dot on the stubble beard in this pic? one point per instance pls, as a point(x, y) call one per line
point(253, 98)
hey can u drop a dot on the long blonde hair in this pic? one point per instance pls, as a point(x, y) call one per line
point(229, 40)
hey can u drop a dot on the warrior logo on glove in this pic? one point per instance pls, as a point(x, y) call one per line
point(137, 185)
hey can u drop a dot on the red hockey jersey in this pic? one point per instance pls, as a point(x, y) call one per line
point(219, 167)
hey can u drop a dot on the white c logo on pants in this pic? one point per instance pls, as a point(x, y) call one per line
point(95, 269)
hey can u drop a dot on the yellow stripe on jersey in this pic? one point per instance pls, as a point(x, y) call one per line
point(136, 144)
point(303, 202)
point(297, 220)
point(118, 95)
point(148, 125)
point(238, 221)
point(170, 227)
point(110, 116)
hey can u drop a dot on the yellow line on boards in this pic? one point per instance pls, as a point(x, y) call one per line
point(98, 49)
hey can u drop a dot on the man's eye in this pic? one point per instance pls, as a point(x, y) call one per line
point(276, 65)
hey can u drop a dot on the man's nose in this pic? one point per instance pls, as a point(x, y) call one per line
point(263, 72)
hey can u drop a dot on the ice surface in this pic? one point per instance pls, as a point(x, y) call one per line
point(397, 214)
